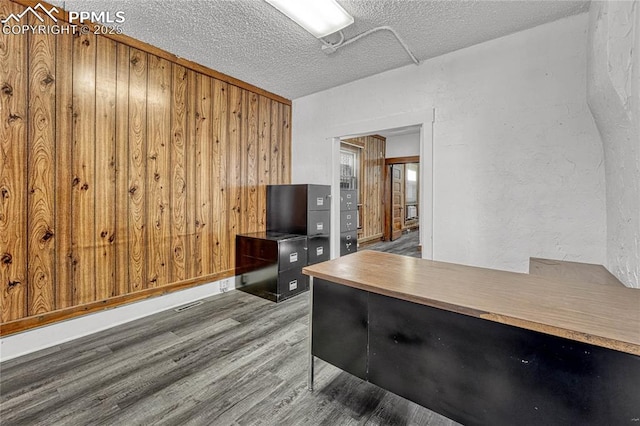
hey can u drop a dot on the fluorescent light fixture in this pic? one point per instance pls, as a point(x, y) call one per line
point(319, 17)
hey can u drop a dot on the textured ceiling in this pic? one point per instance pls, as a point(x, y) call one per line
point(250, 40)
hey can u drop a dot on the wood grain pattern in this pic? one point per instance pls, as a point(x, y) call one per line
point(192, 266)
point(407, 245)
point(19, 325)
point(13, 175)
point(137, 169)
point(178, 174)
point(275, 173)
point(249, 162)
point(235, 168)
point(63, 15)
point(83, 196)
point(121, 243)
point(572, 271)
point(219, 185)
point(105, 194)
point(264, 160)
point(402, 160)
point(587, 312)
point(41, 166)
point(137, 373)
point(158, 171)
point(285, 155)
point(371, 178)
point(64, 175)
point(203, 146)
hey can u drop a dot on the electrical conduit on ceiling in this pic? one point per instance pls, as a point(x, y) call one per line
point(329, 48)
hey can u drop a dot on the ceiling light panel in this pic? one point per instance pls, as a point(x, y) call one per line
point(319, 17)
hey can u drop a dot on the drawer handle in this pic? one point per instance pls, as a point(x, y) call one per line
point(293, 257)
point(319, 251)
point(293, 285)
point(319, 201)
point(319, 226)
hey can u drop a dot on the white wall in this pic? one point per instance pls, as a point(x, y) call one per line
point(613, 79)
point(517, 160)
point(403, 145)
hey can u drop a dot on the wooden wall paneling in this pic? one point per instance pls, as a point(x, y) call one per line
point(281, 172)
point(235, 168)
point(365, 163)
point(244, 159)
point(83, 195)
point(203, 116)
point(377, 155)
point(123, 170)
point(137, 169)
point(219, 187)
point(276, 144)
point(105, 186)
point(13, 171)
point(179, 193)
point(249, 162)
point(264, 158)
point(62, 15)
point(369, 201)
point(372, 186)
point(371, 190)
point(64, 171)
point(121, 243)
point(286, 142)
point(379, 178)
point(158, 171)
point(192, 260)
point(41, 171)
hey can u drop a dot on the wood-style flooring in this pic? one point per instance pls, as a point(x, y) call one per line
point(234, 360)
point(406, 245)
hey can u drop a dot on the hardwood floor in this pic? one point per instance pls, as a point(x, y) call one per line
point(234, 360)
point(407, 245)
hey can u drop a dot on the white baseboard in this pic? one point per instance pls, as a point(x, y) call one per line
point(55, 334)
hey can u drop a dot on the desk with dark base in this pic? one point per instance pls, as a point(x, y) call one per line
point(430, 344)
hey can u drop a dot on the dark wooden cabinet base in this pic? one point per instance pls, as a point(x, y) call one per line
point(472, 370)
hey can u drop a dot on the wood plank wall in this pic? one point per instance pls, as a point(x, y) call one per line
point(124, 174)
point(371, 190)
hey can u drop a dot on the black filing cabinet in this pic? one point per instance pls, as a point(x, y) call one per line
point(269, 264)
point(348, 221)
point(302, 209)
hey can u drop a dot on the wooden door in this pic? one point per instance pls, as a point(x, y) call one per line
point(397, 201)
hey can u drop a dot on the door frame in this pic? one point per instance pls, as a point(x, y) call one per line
point(367, 122)
point(388, 214)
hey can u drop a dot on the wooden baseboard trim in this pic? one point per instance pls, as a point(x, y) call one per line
point(370, 240)
point(29, 323)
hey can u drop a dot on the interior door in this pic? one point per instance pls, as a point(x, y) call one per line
point(397, 201)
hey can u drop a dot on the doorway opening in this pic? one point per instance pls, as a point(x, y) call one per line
point(402, 206)
point(383, 171)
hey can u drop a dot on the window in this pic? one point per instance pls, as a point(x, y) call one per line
point(349, 169)
point(411, 191)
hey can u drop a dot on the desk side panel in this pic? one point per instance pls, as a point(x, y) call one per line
point(340, 326)
point(481, 372)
